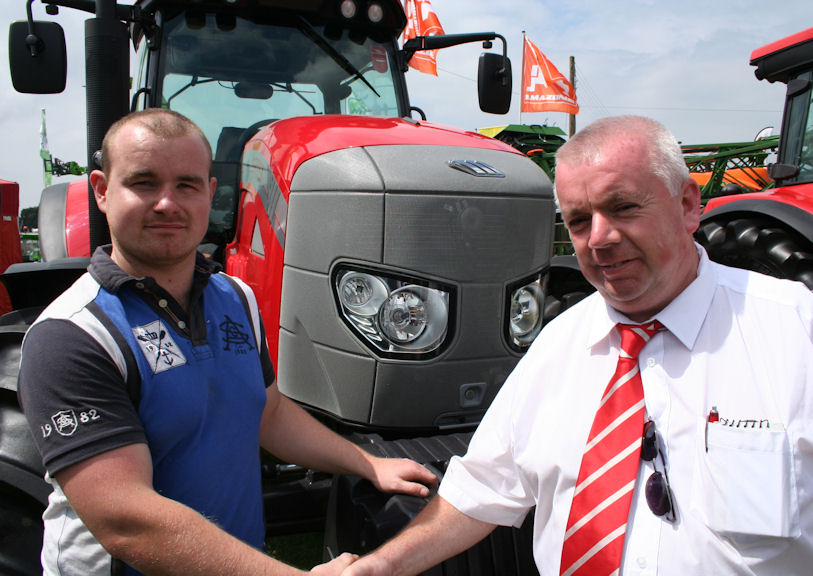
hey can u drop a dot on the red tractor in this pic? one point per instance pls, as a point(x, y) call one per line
point(771, 231)
point(402, 267)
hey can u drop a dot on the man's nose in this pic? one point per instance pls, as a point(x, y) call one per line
point(166, 199)
point(602, 231)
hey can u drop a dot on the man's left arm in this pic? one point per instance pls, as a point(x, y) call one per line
point(292, 435)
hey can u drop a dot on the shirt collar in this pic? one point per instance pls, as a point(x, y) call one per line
point(108, 274)
point(683, 316)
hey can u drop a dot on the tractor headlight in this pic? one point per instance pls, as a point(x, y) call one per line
point(375, 12)
point(525, 306)
point(393, 315)
point(348, 9)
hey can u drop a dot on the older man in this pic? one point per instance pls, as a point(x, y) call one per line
point(661, 426)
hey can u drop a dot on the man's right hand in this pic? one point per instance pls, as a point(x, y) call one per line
point(367, 566)
point(335, 566)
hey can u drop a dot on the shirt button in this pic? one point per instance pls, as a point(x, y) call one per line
point(181, 324)
point(641, 562)
point(650, 362)
point(163, 303)
point(140, 285)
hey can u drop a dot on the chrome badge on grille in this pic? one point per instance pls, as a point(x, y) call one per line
point(476, 168)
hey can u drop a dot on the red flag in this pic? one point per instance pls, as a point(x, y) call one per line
point(422, 21)
point(543, 86)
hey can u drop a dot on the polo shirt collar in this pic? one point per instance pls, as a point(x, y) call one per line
point(112, 278)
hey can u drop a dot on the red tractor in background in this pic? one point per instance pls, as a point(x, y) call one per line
point(10, 247)
point(402, 267)
point(771, 231)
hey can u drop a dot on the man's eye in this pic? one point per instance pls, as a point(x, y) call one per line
point(577, 223)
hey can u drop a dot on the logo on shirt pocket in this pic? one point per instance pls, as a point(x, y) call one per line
point(158, 346)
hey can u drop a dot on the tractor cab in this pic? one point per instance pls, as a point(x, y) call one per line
point(232, 70)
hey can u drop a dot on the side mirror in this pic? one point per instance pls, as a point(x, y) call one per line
point(37, 57)
point(782, 171)
point(494, 83)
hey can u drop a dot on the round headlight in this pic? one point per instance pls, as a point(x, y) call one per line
point(362, 293)
point(348, 8)
point(524, 312)
point(375, 12)
point(403, 316)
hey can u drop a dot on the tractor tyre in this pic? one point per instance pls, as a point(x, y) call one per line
point(23, 491)
point(758, 243)
point(20, 533)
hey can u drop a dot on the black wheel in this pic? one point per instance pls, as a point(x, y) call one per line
point(23, 490)
point(758, 243)
point(20, 533)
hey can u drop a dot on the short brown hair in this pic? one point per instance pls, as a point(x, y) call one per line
point(162, 122)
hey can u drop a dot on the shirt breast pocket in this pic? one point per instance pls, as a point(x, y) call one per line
point(744, 483)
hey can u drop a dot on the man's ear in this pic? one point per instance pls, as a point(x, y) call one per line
point(690, 204)
point(99, 183)
point(212, 188)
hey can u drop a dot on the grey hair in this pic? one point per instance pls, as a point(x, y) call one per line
point(665, 155)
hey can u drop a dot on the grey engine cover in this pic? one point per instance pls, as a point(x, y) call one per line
point(404, 208)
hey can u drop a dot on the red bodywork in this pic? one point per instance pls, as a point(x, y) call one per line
point(782, 44)
point(10, 249)
point(77, 229)
point(800, 195)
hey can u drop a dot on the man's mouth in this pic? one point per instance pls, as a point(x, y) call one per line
point(614, 266)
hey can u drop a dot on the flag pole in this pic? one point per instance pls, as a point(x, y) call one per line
point(572, 123)
point(522, 78)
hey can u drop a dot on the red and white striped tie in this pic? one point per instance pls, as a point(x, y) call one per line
point(594, 538)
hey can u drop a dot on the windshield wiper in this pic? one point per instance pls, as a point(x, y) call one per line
point(193, 82)
point(308, 30)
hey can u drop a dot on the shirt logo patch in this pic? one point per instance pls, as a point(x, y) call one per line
point(158, 347)
point(65, 422)
point(234, 338)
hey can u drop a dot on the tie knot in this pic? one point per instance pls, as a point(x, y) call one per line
point(635, 336)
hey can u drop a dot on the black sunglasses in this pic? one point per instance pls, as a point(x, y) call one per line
point(658, 493)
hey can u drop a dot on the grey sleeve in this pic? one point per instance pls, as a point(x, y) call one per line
point(73, 396)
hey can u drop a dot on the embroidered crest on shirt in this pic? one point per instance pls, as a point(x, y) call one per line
point(65, 422)
point(158, 346)
point(234, 338)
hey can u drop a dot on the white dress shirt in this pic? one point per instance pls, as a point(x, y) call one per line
point(735, 340)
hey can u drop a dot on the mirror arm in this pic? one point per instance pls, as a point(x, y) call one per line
point(447, 40)
point(32, 41)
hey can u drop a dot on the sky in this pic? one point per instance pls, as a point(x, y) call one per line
point(682, 63)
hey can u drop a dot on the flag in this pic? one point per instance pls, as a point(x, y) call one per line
point(44, 153)
point(422, 21)
point(544, 88)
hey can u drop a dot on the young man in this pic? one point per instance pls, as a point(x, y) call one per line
point(150, 427)
point(707, 467)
